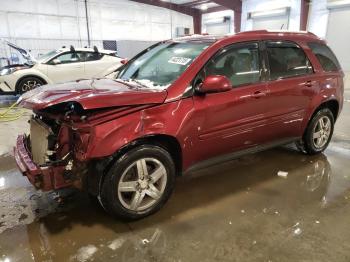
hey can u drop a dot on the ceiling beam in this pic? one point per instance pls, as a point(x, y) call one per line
point(235, 5)
point(196, 2)
point(215, 9)
point(175, 7)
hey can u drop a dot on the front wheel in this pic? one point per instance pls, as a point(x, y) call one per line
point(319, 132)
point(139, 183)
point(27, 84)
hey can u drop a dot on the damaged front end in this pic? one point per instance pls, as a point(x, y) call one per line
point(48, 155)
point(76, 123)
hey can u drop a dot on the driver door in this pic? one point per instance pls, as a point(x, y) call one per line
point(66, 67)
point(236, 119)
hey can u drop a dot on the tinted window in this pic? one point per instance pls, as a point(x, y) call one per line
point(286, 60)
point(325, 56)
point(71, 57)
point(240, 64)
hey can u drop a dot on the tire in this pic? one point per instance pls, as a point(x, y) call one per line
point(316, 138)
point(120, 199)
point(28, 83)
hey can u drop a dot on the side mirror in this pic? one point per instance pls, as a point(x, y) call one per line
point(56, 62)
point(214, 84)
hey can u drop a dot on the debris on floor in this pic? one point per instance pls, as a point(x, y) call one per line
point(117, 243)
point(145, 241)
point(282, 174)
point(85, 253)
point(297, 231)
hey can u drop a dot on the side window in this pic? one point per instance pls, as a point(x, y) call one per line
point(287, 59)
point(71, 57)
point(240, 64)
point(325, 56)
point(91, 56)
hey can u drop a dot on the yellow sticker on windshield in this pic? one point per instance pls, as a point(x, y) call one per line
point(179, 60)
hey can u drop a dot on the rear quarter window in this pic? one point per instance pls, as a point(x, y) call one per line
point(325, 56)
point(287, 59)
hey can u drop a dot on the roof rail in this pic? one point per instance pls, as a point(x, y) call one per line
point(253, 31)
point(264, 31)
point(276, 31)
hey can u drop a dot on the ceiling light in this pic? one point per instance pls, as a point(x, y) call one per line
point(204, 7)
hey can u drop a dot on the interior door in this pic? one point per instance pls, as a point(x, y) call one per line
point(66, 67)
point(235, 119)
point(291, 84)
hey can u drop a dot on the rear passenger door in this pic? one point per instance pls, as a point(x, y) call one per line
point(291, 86)
point(95, 64)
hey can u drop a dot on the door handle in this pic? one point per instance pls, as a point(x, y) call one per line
point(258, 94)
point(308, 83)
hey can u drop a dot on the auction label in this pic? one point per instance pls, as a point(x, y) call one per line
point(179, 60)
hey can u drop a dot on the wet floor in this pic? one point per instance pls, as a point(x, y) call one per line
point(241, 210)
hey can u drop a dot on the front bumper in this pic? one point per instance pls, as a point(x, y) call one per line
point(46, 178)
point(7, 83)
point(4, 87)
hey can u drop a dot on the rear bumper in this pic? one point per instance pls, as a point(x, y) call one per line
point(45, 178)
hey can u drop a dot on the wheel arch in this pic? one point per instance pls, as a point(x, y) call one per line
point(94, 180)
point(29, 75)
point(332, 105)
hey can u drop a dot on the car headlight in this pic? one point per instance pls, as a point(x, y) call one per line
point(8, 71)
point(5, 71)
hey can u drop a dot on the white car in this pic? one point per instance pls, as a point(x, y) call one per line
point(62, 65)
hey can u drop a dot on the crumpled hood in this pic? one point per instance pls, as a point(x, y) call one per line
point(91, 94)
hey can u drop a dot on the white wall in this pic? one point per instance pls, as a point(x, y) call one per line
point(259, 5)
point(318, 18)
point(42, 25)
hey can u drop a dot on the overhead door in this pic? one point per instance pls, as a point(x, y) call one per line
point(218, 28)
point(338, 35)
point(271, 23)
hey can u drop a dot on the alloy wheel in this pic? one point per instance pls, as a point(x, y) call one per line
point(322, 131)
point(29, 85)
point(142, 184)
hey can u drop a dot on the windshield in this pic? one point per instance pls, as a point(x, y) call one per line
point(162, 65)
point(48, 55)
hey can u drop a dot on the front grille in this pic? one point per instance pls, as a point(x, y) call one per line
point(39, 133)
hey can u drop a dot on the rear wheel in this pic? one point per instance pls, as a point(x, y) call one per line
point(139, 183)
point(318, 133)
point(28, 84)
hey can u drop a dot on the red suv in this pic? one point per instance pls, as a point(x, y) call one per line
point(180, 105)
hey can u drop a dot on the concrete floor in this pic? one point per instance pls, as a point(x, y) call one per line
point(238, 211)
